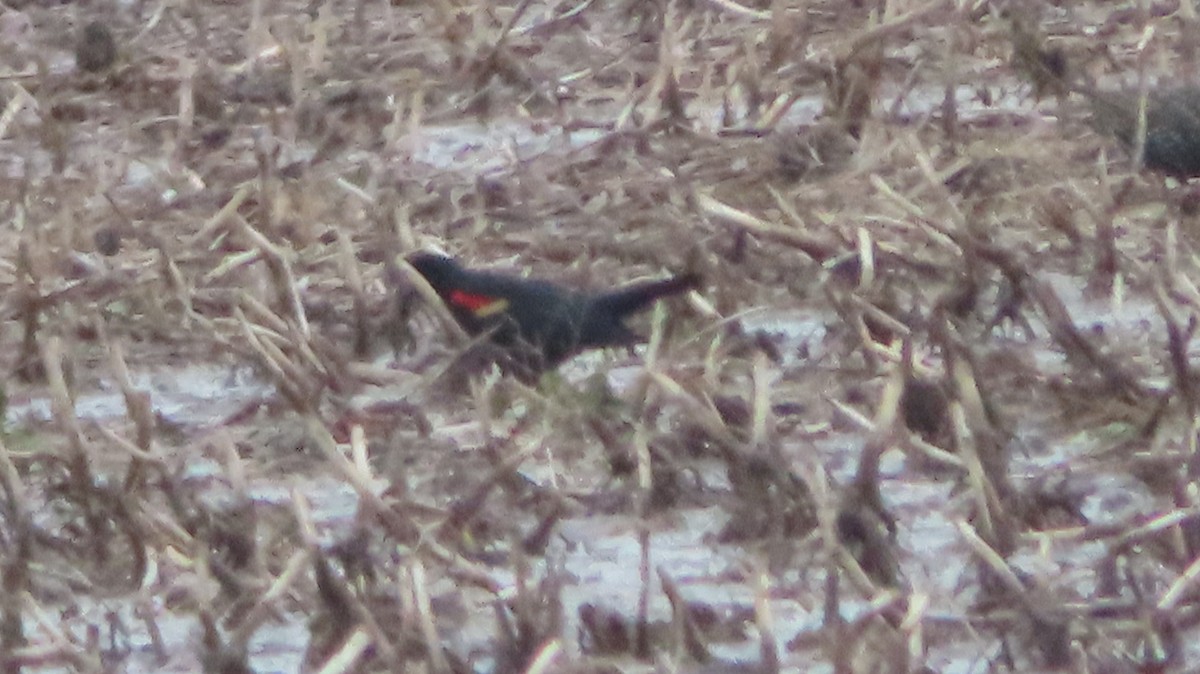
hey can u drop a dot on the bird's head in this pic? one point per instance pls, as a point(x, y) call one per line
point(437, 269)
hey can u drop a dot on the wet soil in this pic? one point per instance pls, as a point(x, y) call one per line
point(932, 409)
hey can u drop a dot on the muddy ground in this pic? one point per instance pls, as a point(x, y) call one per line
point(932, 409)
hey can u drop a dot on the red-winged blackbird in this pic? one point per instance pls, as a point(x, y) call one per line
point(1172, 143)
point(1172, 119)
point(538, 318)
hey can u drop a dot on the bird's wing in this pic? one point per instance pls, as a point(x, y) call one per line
point(480, 305)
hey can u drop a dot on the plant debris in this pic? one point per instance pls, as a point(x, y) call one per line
point(932, 407)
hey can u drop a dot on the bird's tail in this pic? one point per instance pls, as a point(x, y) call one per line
point(637, 296)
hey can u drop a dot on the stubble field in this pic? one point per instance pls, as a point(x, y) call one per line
point(933, 408)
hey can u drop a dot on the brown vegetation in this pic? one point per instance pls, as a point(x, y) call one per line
point(932, 409)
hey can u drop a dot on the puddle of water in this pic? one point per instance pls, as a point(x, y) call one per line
point(1133, 317)
point(801, 331)
point(277, 646)
point(601, 556)
point(485, 148)
point(199, 395)
point(1128, 325)
point(332, 502)
point(969, 107)
point(911, 103)
point(480, 148)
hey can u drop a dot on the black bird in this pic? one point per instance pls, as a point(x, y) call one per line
point(1172, 143)
point(539, 320)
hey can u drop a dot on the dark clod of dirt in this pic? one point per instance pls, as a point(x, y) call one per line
point(219, 657)
point(925, 406)
point(1045, 67)
point(870, 541)
point(604, 630)
point(263, 87)
point(734, 410)
point(108, 241)
point(774, 501)
point(1189, 204)
point(819, 151)
point(1052, 639)
point(96, 50)
point(215, 137)
point(986, 176)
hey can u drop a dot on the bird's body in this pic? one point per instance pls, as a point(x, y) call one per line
point(537, 316)
point(1172, 143)
point(1172, 117)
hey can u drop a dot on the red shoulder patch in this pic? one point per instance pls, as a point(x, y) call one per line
point(480, 305)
